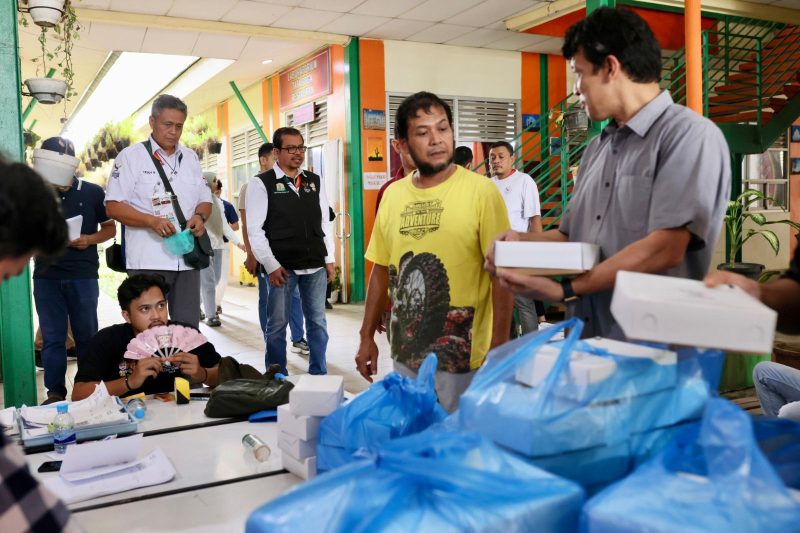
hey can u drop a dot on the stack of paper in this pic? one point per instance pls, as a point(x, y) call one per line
point(98, 468)
point(99, 409)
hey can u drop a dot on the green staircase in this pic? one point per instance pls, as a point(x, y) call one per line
point(751, 87)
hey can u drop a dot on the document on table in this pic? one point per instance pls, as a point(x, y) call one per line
point(153, 469)
point(90, 459)
point(74, 225)
point(98, 409)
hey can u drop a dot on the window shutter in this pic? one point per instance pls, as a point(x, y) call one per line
point(485, 120)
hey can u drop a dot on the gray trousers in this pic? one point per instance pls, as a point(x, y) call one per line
point(209, 279)
point(449, 387)
point(528, 317)
point(184, 294)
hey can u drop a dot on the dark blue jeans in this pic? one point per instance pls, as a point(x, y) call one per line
point(57, 303)
point(295, 316)
point(312, 296)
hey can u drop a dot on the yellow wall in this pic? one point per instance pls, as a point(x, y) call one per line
point(239, 120)
point(452, 70)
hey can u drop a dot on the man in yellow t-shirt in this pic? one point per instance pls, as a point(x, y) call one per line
point(430, 237)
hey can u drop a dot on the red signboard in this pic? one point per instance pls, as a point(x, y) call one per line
point(306, 81)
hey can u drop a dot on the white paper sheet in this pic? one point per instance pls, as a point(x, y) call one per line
point(74, 225)
point(90, 456)
point(98, 409)
point(154, 469)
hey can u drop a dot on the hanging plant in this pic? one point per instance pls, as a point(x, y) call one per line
point(46, 13)
point(213, 145)
point(31, 139)
point(67, 31)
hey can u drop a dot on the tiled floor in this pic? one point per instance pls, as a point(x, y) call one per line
point(239, 336)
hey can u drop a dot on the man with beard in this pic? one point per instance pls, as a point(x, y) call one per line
point(431, 233)
point(143, 299)
point(652, 187)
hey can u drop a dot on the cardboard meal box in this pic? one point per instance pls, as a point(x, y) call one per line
point(597, 362)
point(301, 426)
point(316, 395)
point(545, 258)
point(686, 312)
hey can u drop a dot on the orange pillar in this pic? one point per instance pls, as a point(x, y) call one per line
point(694, 56)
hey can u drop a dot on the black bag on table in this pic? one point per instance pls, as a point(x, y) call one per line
point(245, 396)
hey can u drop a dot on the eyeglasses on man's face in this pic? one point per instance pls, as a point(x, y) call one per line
point(292, 149)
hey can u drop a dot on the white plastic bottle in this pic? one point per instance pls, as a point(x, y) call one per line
point(63, 429)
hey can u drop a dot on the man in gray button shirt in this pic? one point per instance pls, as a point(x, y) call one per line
point(652, 188)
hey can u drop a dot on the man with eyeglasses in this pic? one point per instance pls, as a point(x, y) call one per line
point(290, 235)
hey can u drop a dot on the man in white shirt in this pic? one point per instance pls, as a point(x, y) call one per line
point(521, 196)
point(290, 235)
point(136, 197)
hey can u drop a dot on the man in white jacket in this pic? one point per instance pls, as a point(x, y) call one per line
point(217, 228)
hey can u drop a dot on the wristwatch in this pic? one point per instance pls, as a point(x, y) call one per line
point(569, 293)
point(201, 217)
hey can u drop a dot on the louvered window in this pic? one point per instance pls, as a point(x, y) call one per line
point(474, 120)
point(209, 162)
point(244, 157)
point(486, 120)
point(315, 132)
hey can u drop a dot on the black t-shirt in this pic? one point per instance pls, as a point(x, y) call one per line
point(104, 360)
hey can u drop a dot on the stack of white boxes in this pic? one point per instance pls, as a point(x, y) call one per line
point(311, 399)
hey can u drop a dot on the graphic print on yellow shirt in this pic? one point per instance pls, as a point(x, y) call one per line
point(433, 242)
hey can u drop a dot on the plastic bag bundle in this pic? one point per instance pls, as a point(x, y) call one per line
point(181, 243)
point(711, 477)
point(432, 481)
point(394, 407)
point(595, 427)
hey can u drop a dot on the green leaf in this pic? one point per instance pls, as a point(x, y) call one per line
point(791, 223)
point(758, 218)
point(772, 239)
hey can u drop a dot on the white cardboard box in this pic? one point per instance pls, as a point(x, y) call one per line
point(297, 448)
point(303, 427)
point(686, 312)
point(584, 368)
point(316, 395)
point(546, 258)
point(306, 469)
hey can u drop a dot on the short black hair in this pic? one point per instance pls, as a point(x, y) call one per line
point(277, 137)
point(619, 32)
point(411, 106)
point(134, 286)
point(167, 101)
point(265, 149)
point(462, 156)
point(503, 144)
point(218, 183)
point(31, 220)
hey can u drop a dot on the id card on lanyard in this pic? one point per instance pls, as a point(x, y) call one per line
point(163, 201)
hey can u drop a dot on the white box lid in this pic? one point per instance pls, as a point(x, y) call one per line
point(686, 312)
point(550, 255)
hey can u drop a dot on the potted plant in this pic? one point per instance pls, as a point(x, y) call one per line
point(31, 139)
point(735, 216)
point(46, 13)
point(336, 285)
point(66, 28)
point(123, 134)
point(110, 133)
point(213, 145)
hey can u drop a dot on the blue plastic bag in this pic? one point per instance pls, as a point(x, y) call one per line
point(394, 407)
point(779, 441)
point(555, 418)
point(181, 243)
point(711, 477)
point(432, 481)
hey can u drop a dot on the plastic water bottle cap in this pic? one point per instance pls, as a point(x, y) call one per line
point(62, 407)
point(139, 413)
point(278, 375)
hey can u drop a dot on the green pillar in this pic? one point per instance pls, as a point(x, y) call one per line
point(737, 161)
point(16, 319)
point(355, 197)
point(544, 107)
point(596, 127)
point(246, 108)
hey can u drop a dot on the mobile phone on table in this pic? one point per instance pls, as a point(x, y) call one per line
point(50, 466)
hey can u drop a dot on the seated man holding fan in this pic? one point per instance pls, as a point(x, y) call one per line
point(126, 369)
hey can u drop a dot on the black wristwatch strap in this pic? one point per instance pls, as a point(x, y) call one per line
point(569, 293)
